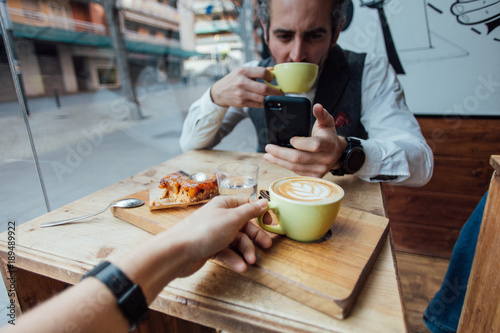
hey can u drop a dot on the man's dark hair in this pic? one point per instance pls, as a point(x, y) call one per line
point(337, 15)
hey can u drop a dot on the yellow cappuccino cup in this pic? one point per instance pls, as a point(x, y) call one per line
point(305, 207)
point(295, 77)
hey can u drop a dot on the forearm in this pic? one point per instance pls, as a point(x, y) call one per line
point(92, 307)
point(405, 162)
point(396, 150)
point(202, 124)
point(155, 263)
point(89, 306)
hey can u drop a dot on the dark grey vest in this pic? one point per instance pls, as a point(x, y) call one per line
point(338, 90)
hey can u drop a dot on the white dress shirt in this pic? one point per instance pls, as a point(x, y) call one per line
point(395, 145)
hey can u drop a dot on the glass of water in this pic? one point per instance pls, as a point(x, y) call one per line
point(238, 178)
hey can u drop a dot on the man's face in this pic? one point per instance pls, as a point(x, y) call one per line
point(301, 31)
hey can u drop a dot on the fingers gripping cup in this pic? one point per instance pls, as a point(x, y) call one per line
point(305, 207)
point(295, 77)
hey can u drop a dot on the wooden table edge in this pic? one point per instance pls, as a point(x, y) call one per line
point(167, 302)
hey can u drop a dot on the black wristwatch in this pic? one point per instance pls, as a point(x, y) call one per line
point(352, 159)
point(129, 295)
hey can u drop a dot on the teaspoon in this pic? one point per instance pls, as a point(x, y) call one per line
point(124, 203)
point(198, 176)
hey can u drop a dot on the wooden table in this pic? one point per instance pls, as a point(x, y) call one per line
point(49, 259)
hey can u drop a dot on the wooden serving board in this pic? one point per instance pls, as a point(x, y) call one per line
point(326, 276)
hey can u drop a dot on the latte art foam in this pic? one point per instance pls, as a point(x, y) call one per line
point(307, 189)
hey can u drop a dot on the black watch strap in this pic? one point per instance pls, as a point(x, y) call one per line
point(352, 159)
point(129, 295)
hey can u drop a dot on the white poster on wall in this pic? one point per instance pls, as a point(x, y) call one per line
point(449, 51)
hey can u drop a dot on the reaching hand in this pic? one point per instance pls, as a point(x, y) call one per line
point(313, 156)
point(240, 88)
point(179, 251)
point(220, 230)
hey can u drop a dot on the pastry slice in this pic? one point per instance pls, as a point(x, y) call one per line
point(177, 187)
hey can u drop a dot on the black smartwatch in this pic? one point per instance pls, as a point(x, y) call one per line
point(352, 159)
point(129, 295)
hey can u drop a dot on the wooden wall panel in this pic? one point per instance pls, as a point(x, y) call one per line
point(433, 209)
point(459, 175)
point(428, 220)
point(422, 239)
point(460, 136)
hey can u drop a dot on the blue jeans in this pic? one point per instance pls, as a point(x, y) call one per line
point(443, 312)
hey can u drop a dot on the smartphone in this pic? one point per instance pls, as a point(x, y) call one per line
point(286, 117)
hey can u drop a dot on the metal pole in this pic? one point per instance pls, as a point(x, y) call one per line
point(118, 42)
point(56, 96)
point(16, 75)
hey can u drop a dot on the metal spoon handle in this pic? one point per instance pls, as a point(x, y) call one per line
point(51, 224)
point(184, 173)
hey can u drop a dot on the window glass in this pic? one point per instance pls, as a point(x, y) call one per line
point(74, 76)
point(21, 196)
point(103, 106)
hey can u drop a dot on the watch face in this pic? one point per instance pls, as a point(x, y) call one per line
point(355, 160)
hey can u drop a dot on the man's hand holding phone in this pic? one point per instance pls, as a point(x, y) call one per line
point(315, 155)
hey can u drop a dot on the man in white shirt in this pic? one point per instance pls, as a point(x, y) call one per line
point(361, 92)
